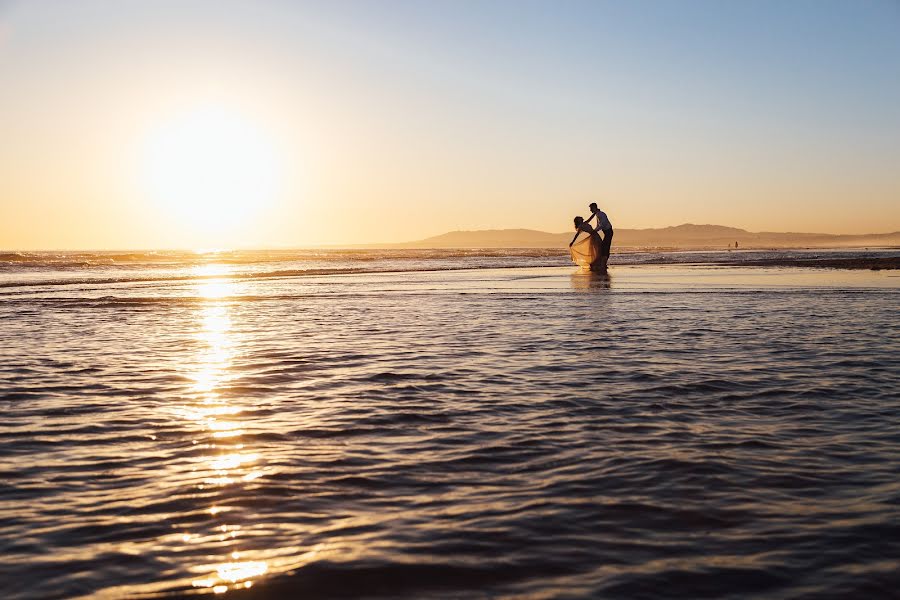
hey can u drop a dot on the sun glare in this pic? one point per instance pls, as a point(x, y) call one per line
point(210, 169)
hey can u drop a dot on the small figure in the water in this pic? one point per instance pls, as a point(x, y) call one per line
point(582, 226)
point(606, 227)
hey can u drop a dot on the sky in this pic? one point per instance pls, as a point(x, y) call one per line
point(185, 124)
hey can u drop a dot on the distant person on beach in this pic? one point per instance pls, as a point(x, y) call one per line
point(606, 227)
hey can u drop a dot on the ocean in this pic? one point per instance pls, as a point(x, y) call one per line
point(448, 424)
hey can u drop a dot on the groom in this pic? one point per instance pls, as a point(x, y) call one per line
point(606, 227)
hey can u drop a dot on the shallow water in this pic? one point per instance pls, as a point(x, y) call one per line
point(666, 432)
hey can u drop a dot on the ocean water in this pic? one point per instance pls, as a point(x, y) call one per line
point(427, 424)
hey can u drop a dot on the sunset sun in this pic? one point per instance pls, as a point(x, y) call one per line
point(210, 169)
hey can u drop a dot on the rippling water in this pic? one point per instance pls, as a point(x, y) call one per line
point(675, 431)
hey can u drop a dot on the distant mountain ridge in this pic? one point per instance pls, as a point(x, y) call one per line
point(687, 235)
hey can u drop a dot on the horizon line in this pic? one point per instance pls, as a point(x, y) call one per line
point(383, 245)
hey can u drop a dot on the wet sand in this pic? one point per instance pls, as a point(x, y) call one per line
point(874, 264)
point(626, 278)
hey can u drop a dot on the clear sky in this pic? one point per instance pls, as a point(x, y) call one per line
point(127, 124)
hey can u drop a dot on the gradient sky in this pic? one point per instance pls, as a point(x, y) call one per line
point(393, 121)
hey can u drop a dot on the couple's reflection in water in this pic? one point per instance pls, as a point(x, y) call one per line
point(590, 281)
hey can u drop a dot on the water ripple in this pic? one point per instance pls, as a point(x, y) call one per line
point(551, 444)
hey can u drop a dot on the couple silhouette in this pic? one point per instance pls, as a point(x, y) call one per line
point(595, 252)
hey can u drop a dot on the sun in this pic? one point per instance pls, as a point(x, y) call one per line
point(210, 169)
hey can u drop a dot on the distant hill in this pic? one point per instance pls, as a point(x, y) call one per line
point(681, 236)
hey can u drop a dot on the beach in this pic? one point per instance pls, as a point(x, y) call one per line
point(448, 424)
point(296, 300)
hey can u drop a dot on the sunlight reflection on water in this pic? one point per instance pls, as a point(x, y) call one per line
point(218, 420)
